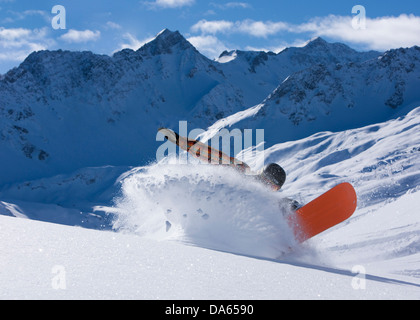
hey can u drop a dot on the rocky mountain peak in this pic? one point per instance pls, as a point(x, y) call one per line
point(317, 42)
point(166, 42)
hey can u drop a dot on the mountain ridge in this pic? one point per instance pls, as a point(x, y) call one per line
point(328, 97)
point(62, 110)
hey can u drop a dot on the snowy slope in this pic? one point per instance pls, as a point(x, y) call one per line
point(66, 199)
point(49, 261)
point(196, 231)
point(382, 162)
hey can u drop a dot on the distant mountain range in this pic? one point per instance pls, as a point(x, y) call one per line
point(61, 111)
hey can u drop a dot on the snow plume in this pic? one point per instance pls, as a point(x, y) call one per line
point(203, 205)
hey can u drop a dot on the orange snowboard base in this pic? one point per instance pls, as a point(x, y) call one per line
point(324, 212)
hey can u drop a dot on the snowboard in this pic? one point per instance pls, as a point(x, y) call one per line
point(273, 175)
point(329, 209)
point(203, 151)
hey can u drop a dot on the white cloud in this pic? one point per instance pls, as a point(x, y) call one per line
point(13, 34)
point(231, 5)
point(212, 27)
point(15, 16)
point(131, 42)
point(169, 3)
point(76, 36)
point(113, 25)
point(235, 5)
point(380, 33)
point(260, 28)
point(251, 27)
point(17, 43)
point(210, 46)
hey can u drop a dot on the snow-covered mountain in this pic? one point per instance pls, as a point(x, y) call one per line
point(334, 96)
point(62, 111)
point(58, 108)
point(258, 73)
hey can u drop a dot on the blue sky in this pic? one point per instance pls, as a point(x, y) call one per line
point(212, 26)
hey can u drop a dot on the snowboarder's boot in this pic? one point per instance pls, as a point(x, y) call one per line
point(293, 204)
